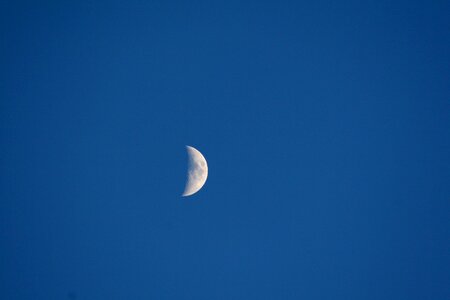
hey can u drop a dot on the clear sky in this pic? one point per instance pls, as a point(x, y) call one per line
point(326, 126)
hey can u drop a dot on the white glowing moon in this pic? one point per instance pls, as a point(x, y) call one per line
point(197, 171)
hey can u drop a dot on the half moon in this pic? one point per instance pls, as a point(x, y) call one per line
point(197, 171)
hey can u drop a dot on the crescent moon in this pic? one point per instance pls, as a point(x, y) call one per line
point(197, 172)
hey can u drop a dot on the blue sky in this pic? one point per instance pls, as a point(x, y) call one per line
point(326, 126)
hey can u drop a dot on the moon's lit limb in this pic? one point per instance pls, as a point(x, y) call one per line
point(197, 171)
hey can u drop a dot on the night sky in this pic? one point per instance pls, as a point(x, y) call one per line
point(325, 124)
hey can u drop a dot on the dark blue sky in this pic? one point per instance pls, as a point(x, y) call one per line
point(326, 126)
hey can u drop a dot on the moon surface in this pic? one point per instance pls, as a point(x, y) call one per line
point(197, 171)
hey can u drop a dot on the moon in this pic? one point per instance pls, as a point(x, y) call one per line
point(197, 172)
